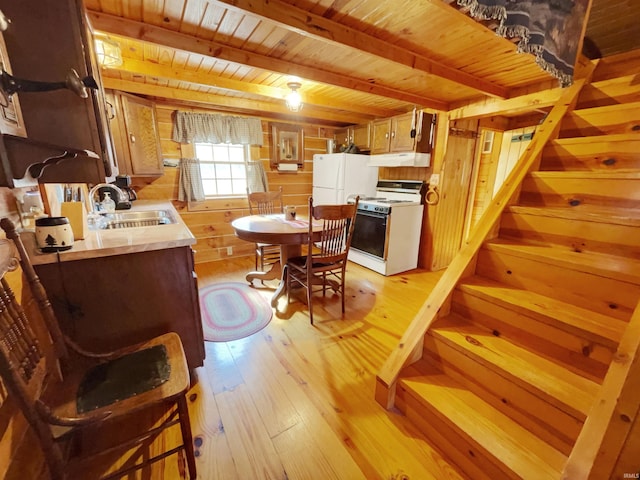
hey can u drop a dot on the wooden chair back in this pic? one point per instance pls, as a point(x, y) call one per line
point(265, 203)
point(326, 260)
point(337, 229)
point(26, 363)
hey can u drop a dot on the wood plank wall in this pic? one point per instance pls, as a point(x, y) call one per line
point(210, 221)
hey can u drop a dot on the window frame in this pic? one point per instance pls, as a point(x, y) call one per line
point(206, 162)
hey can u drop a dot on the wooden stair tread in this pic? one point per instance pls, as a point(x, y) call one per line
point(568, 391)
point(633, 107)
point(586, 174)
point(617, 216)
point(625, 269)
point(599, 328)
point(611, 139)
point(514, 446)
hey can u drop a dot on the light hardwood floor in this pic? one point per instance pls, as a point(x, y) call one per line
point(296, 401)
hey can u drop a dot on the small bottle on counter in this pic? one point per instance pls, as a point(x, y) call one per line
point(108, 205)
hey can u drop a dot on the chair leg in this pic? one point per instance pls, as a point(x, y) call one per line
point(309, 293)
point(187, 438)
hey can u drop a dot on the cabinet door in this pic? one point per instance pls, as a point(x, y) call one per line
point(380, 135)
point(129, 298)
point(343, 136)
point(47, 38)
point(401, 133)
point(142, 136)
point(362, 136)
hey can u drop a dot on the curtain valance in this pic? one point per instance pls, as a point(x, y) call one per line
point(213, 128)
point(549, 29)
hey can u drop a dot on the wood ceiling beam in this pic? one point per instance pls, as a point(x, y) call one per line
point(268, 109)
point(532, 102)
point(139, 67)
point(308, 24)
point(168, 38)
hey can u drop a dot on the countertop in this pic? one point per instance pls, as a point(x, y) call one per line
point(103, 243)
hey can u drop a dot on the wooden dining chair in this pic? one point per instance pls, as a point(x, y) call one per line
point(64, 391)
point(266, 203)
point(326, 260)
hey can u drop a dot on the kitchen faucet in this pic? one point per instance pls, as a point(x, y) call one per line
point(111, 186)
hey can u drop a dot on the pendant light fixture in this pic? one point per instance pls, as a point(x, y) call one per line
point(294, 100)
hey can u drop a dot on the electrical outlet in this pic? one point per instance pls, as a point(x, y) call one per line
point(229, 250)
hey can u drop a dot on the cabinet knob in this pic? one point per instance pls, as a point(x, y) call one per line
point(386, 135)
point(132, 137)
point(393, 134)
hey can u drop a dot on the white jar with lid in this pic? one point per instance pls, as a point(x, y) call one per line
point(53, 234)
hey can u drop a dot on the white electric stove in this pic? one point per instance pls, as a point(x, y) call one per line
point(386, 236)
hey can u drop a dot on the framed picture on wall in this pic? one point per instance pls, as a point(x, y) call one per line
point(287, 146)
point(10, 114)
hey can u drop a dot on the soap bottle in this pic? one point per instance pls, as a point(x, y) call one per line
point(108, 205)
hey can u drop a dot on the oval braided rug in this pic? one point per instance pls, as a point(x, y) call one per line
point(231, 311)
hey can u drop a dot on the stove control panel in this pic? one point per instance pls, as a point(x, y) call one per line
point(369, 207)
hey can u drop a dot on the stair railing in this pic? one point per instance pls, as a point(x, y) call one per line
point(409, 349)
point(613, 414)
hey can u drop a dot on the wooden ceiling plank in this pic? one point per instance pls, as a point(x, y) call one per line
point(154, 34)
point(171, 15)
point(318, 27)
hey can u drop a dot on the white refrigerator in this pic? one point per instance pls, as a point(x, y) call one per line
point(338, 175)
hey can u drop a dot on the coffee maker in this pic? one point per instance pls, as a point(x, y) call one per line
point(124, 183)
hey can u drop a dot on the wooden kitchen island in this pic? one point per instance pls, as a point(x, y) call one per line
point(118, 287)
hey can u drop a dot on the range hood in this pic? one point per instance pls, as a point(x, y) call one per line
point(405, 159)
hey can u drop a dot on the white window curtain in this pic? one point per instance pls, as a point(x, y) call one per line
point(256, 177)
point(212, 128)
point(190, 187)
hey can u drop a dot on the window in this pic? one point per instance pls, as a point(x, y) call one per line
point(487, 144)
point(223, 168)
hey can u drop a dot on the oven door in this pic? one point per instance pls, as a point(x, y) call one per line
point(370, 233)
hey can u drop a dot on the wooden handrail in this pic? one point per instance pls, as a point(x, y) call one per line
point(613, 413)
point(409, 348)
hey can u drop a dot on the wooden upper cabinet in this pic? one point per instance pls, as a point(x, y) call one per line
point(380, 135)
point(360, 135)
point(402, 137)
point(135, 135)
point(343, 136)
point(45, 40)
point(408, 132)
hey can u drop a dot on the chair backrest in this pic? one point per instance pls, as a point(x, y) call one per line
point(30, 352)
point(337, 229)
point(265, 203)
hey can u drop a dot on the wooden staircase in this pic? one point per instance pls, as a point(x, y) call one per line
point(511, 368)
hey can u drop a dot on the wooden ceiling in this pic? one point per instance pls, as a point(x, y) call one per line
point(357, 60)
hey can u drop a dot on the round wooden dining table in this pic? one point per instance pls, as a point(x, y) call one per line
point(276, 230)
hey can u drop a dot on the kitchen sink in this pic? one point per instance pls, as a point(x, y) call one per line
point(147, 218)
